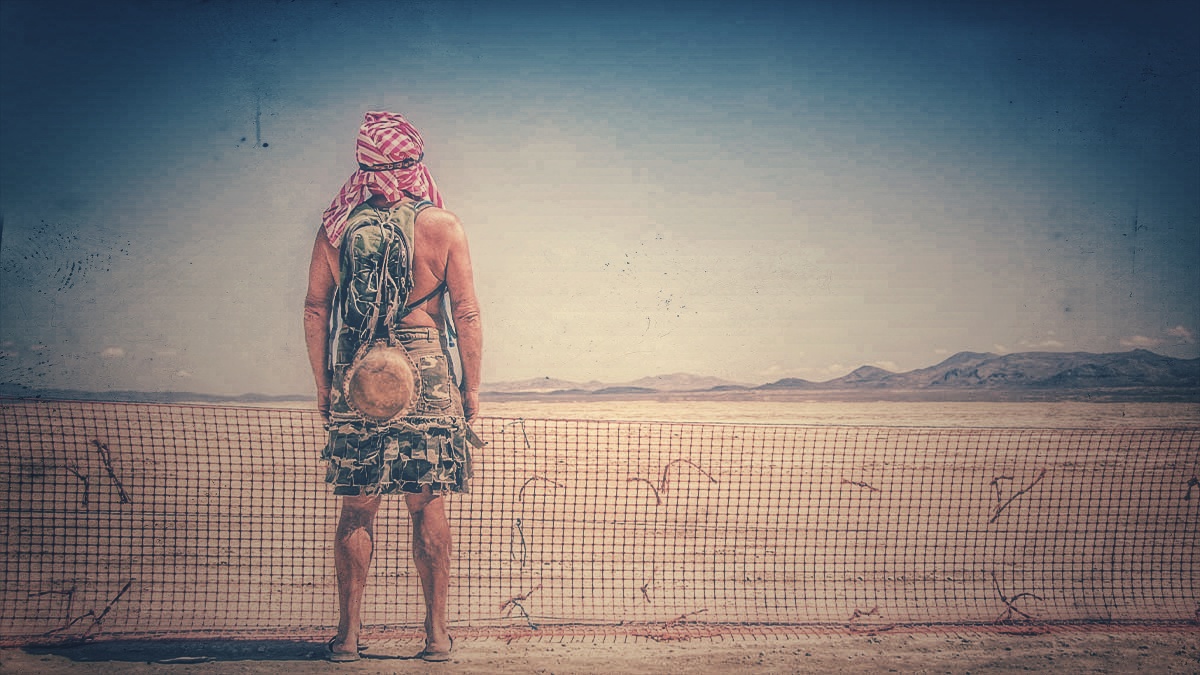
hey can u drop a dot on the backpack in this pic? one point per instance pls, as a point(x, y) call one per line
point(373, 375)
point(376, 262)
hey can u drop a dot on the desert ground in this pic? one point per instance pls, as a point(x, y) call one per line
point(1071, 651)
point(142, 529)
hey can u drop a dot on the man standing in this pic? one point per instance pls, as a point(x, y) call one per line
point(385, 258)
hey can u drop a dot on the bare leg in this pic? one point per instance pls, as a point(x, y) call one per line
point(352, 547)
point(431, 553)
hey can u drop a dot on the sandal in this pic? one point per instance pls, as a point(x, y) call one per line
point(435, 657)
point(339, 657)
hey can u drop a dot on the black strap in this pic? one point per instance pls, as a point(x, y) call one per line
point(447, 317)
point(404, 164)
point(408, 309)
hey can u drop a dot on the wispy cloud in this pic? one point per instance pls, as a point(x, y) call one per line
point(1050, 344)
point(1179, 335)
point(1183, 334)
point(1140, 342)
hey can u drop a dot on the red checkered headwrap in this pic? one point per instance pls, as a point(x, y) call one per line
point(389, 156)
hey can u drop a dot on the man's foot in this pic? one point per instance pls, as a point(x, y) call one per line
point(337, 655)
point(434, 655)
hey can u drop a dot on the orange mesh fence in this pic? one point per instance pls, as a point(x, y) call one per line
point(123, 520)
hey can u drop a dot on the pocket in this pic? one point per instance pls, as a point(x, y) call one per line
point(436, 396)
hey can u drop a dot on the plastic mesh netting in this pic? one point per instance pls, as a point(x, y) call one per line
point(123, 519)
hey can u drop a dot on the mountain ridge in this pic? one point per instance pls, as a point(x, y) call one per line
point(1138, 373)
point(963, 370)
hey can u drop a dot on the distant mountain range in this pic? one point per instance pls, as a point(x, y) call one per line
point(675, 382)
point(1027, 370)
point(1134, 375)
point(1137, 371)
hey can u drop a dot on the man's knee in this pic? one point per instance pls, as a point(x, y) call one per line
point(359, 511)
point(421, 502)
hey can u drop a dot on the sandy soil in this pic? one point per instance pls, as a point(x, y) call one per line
point(917, 525)
point(1069, 652)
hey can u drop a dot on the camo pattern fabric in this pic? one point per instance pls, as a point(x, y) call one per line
point(376, 276)
point(428, 447)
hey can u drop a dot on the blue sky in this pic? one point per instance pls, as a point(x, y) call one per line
point(746, 190)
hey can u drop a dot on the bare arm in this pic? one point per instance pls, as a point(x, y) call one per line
point(318, 304)
point(460, 281)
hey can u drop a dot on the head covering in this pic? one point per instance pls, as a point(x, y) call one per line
point(389, 153)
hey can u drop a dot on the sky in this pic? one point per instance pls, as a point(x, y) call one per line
point(744, 190)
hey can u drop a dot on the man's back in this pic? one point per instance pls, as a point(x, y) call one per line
point(438, 242)
point(441, 260)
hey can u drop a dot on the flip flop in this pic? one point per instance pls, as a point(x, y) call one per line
point(339, 657)
point(436, 657)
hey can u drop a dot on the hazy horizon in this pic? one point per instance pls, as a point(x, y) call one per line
point(669, 384)
point(745, 191)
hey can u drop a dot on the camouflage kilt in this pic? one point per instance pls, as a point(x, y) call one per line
point(426, 448)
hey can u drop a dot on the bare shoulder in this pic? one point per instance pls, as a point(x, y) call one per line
point(324, 249)
point(441, 224)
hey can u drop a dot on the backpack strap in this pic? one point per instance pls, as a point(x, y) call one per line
point(441, 287)
point(449, 331)
point(410, 232)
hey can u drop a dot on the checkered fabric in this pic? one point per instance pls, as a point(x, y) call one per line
point(389, 152)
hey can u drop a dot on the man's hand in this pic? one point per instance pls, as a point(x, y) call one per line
point(323, 404)
point(470, 401)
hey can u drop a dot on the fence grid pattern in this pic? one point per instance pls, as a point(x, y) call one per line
point(133, 519)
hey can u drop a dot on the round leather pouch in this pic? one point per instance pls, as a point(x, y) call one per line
point(382, 383)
